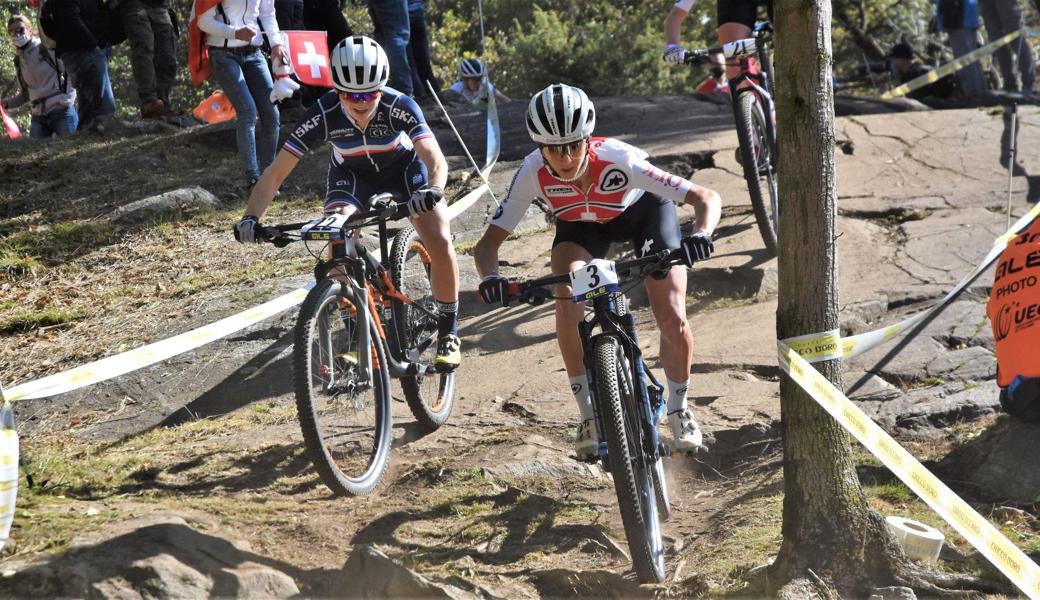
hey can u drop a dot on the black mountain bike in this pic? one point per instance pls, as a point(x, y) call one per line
point(366, 320)
point(626, 397)
point(755, 115)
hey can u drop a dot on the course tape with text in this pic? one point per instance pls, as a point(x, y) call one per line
point(975, 528)
point(828, 345)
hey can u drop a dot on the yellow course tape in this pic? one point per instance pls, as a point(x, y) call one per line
point(816, 347)
point(952, 66)
point(978, 531)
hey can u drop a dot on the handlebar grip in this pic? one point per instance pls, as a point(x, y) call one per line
point(513, 290)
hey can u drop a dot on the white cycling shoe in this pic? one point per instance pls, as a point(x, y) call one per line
point(586, 442)
point(686, 435)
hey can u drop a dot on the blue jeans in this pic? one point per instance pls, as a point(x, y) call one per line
point(392, 32)
point(247, 83)
point(57, 122)
point(88, 72)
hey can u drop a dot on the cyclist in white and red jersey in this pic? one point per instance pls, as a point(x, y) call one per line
point(736, 19)
point(379, 142)
point(602, 190)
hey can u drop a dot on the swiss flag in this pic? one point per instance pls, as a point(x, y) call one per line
point(309, 52)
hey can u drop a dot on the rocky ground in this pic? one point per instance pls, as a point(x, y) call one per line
point(189, 477)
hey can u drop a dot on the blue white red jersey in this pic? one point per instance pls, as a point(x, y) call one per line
point(620, 175)
point(388, 139)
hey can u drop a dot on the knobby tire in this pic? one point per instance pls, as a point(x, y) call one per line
point(752, 135)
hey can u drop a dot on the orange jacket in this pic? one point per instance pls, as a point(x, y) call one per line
point(198, 52)
point(1014, 307)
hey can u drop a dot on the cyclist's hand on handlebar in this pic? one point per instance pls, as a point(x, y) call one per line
point(675, 54)
point(494, 290)
point(423, 200)
point(697, 247)
point(246, 230)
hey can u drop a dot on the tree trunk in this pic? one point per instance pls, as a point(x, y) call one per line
point(829, 531)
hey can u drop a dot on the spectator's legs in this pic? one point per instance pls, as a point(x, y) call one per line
point(258, 79)
point(1002, 17)
point(228, 72)
point(88, 73)
point(970, 77)
point(165, 52)
point(138, 26)
point(39, 128)
point(66, 123)
point(419, 43)
point(391, 17)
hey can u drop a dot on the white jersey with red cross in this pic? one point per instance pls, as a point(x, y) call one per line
point(620, 175)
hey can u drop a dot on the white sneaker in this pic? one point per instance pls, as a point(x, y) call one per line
point(685, 433)
point(586, 442)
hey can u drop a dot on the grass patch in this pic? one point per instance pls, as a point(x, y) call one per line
point(754, 527)
point(56, 243)
point(24, 320)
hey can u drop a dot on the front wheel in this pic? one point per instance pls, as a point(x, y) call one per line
point(758, 160)
point(430, 396)
point(633, 477)
point(345, 413)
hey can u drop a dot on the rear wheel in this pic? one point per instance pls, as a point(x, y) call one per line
point(633, 478)
point(430, 396)
point(758, 160)
point(344, 414)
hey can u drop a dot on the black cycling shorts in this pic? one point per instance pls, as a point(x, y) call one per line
point(741, 11)
point(357, 186)
point(650, 224)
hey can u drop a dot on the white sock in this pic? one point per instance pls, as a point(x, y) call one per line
point(580, 389)
point(677, 394)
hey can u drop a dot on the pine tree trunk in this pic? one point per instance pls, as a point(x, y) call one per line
point(828, 527)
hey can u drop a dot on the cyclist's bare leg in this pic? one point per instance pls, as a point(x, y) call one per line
point(730, 32)
point(668, 302)
point(565, 258)
point(444, 267)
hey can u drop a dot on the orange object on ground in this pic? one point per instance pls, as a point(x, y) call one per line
point(215, 109)
point(13, 131)
point(1014, 307)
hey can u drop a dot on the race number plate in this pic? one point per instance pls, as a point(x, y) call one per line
point(595, 278)
point(325, 229)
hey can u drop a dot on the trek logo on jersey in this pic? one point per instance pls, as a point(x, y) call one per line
point(613, 180)
point(404, 115)
point(666, 178)
point(560, 190)
point(307, 125)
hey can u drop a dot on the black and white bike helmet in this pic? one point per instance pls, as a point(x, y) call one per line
point(472, 67)
point(359, 65)
point(560, 114)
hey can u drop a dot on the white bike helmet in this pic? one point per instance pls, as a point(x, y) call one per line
point(560, 114)
point(472, 67)
point(359, 65)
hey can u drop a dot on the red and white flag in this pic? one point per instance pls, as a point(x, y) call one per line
point(309, 52)
point(12, 128)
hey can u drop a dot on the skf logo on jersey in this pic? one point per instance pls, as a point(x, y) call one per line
point(665, 178)
point(613, 180)
point(400, 113)
point(307, 125)
point(560, 190)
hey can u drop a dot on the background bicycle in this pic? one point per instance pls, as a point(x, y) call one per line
point(755, 114)
point(365, 321)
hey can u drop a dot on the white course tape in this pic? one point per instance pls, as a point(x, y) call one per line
point(816, 347)
point(979, 532)
point(919, 541)
point(8, 471)
point(490, 158)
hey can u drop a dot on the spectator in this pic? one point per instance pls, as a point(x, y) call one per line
point(40, 82)
point(289, 14)
point(1013, 314)
point(717, 82)
point(84, 34)
point(327, 16)
point(153, 52)
point(392, 31)
point(419, 51)
point(960, 20)
point(1001, 17)
point(232, 32)
point(905, 67)
point(473, 85)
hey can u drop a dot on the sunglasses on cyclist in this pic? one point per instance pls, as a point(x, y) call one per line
point(564, 149)
point(360, 96)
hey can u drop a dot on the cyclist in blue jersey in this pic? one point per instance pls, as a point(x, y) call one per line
point(380, 142)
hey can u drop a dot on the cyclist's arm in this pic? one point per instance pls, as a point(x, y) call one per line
point(271, 179)
point(681, 191)
point(429, 152)
point(485, 253)
point(708, 206)
point(673, 23)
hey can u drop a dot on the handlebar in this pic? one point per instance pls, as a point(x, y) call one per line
point(736, 49)
point(384, 207)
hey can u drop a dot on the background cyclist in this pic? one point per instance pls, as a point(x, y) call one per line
point(380, 143)
point(602, 190)
point(736, 19)
point(473, 85)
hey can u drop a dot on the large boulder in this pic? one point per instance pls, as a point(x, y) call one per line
point(168, 205)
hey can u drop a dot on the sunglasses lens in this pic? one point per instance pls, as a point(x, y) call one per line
point(564, 149)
